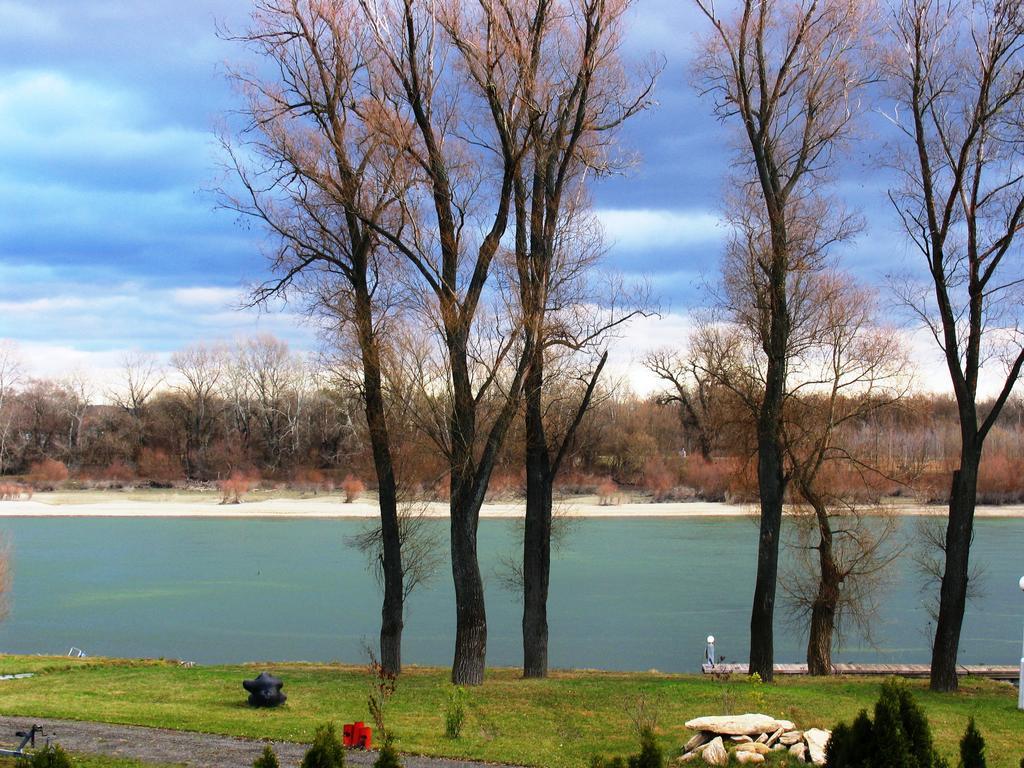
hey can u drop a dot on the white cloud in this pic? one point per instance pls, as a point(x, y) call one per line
point(91, 326)
point(932, 374)
point(645, 228)
point(50, 100)
point(206, 296)
point(20, 20)
point(673, 329)
point(62, 127)
point(641, 336)
point(99, 369)
point(33, 307)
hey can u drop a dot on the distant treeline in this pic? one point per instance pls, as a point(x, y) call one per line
point(260, 409)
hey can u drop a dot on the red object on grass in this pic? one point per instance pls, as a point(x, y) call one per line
point(357, 736)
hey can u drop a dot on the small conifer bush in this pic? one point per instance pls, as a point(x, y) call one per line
point(388, 757)
point(455, 712)
point(650, 755)
point(50, 756)
point(972, 747)
point(325, 751)
point(267, 760)
point(899, 736)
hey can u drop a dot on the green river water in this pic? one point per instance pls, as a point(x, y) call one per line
point(626, 594)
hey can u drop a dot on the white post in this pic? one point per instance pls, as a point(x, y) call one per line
point(709, 653)
point(1020, 680)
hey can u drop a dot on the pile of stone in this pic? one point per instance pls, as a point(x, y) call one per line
point(749, 738)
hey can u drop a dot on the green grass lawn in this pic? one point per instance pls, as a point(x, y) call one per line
point(561, 721)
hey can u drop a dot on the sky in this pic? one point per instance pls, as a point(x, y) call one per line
point(111, 242)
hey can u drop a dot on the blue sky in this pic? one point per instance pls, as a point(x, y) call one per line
point(108, 242)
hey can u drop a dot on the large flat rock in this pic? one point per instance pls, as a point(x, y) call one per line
point(715, 753)
point(739, 725)
point(817, 740)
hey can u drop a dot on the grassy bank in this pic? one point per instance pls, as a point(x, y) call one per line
point(557, 722)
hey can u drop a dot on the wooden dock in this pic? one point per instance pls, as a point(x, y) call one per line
point(1011, 674)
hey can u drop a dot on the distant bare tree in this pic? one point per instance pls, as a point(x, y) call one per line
point(140, 377)
point(693, 391)
point(786, 72)
point(79, 391)
point(10, 378)
point(199, 370)
point(271, 381)
point(955, 73)
point(854, 368)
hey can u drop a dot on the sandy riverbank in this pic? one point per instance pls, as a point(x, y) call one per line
point(183, 504)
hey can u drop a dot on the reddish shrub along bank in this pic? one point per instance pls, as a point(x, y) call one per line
point(608, 493)
point(506, 485)
point(156, 465)
point(118, 472)
point(311, 480)
point(1000, 481)
point(15, 492)
point(658, 480)
point(353, 488)
point(48, 472)
point(234, 488)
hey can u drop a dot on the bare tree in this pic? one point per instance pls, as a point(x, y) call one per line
point(141, 376)
point(787, 73)
point(269, 382)
point(693, 391)
point(79, 390)
point(580, 100)
point(422, 548)
point(466, 124)
point(956, 77)
point(842, 565)
point(853, 368)
point(329, 165)
point(199, 371)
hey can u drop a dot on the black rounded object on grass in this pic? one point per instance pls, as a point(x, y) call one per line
point(265, 691)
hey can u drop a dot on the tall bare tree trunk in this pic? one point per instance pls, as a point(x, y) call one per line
point(470, 609)
point(771, 477)
point(537, 536)
point(819, 640)
point(771, 485)
point(826, 602)
point(467, 493)
point(953, 595)
point(392, 610)
point(704, 445)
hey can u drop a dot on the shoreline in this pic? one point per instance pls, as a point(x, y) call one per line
point(331, 507)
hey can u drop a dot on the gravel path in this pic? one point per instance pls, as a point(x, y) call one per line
point(158, 745)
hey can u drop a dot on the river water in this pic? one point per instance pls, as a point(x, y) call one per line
point(626, 594)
